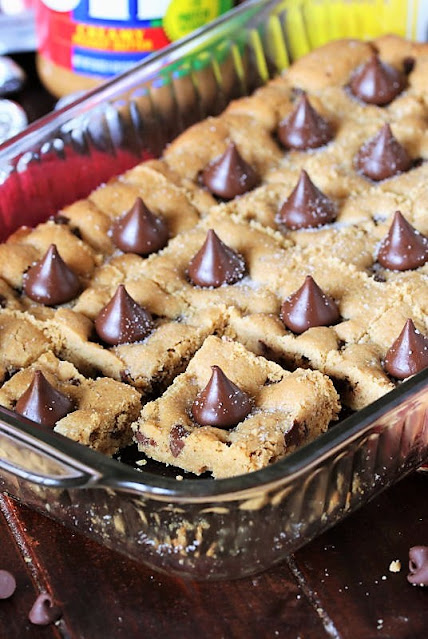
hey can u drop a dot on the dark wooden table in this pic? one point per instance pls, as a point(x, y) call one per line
point(339, 586)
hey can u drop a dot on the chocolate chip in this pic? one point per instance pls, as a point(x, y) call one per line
point(3, 301)
point(125, 377)
point(229, 175)
point(270, 382)
point(379, 278)
point(342, 385)
point(304, 128)
point(382, 156)
point(140, 231)
point(376, 82)
point(11, 371)
point(42, 403)
point(309, 306)
point(7, 584)
point(122, 320)
point(269, 353)
point(418, 566)
point(176, 439)
point(408, 65)
point(44, 611)
point(59, 219)
point(306, 206)
point(294, 436)
point(221, 403)
point(403, 248)
point(408, 355)
point(76, 232)
point(216, 263)
point(50, 281)
point(144, 441)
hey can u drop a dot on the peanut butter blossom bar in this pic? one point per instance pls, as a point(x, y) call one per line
point(232, 412)
point(220, 304)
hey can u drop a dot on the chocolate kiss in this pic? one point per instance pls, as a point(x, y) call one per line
point(50, 281)
point(304, 128)
point(139, 231)
point(306, 206)
point(404, 247)
point(418, 566)
point(229, 175)
point(122, 320)
point(216, 263)
point(43, 403)
point(382, 156)
point(309, 307)
point(377, 83)
point(408, 354)
point(221, 403)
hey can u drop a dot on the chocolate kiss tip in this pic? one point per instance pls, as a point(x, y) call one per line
point(408, 355)
point(382, 156)
point(216, 263)
point(304, 128)
point(140, 231)
point(221, 403)
point(229, 175)
point(418, 566)
point(122, 320)
point(403, 248)
point(377, 82)
point(44, 611)
point(50, 281)
point(306, 206)
point(308, 307)
point(42, 403)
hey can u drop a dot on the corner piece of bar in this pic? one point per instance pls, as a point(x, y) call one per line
point(289, 410)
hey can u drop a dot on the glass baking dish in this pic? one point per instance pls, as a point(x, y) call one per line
point(199, 528)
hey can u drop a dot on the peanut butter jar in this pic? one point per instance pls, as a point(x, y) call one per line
point(83, 42)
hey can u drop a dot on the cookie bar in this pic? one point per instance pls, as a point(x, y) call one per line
point(21, 342)
point(372, 314)
point(104, 408)
point(160, 196)
point(26, 246)
point(289, 409)
point(148, 364)
point(127, 269)
point(154, 182)
point(192, 151)
point(9, 298)
point(254, 244)
point(355, 368)
point(361, 298)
